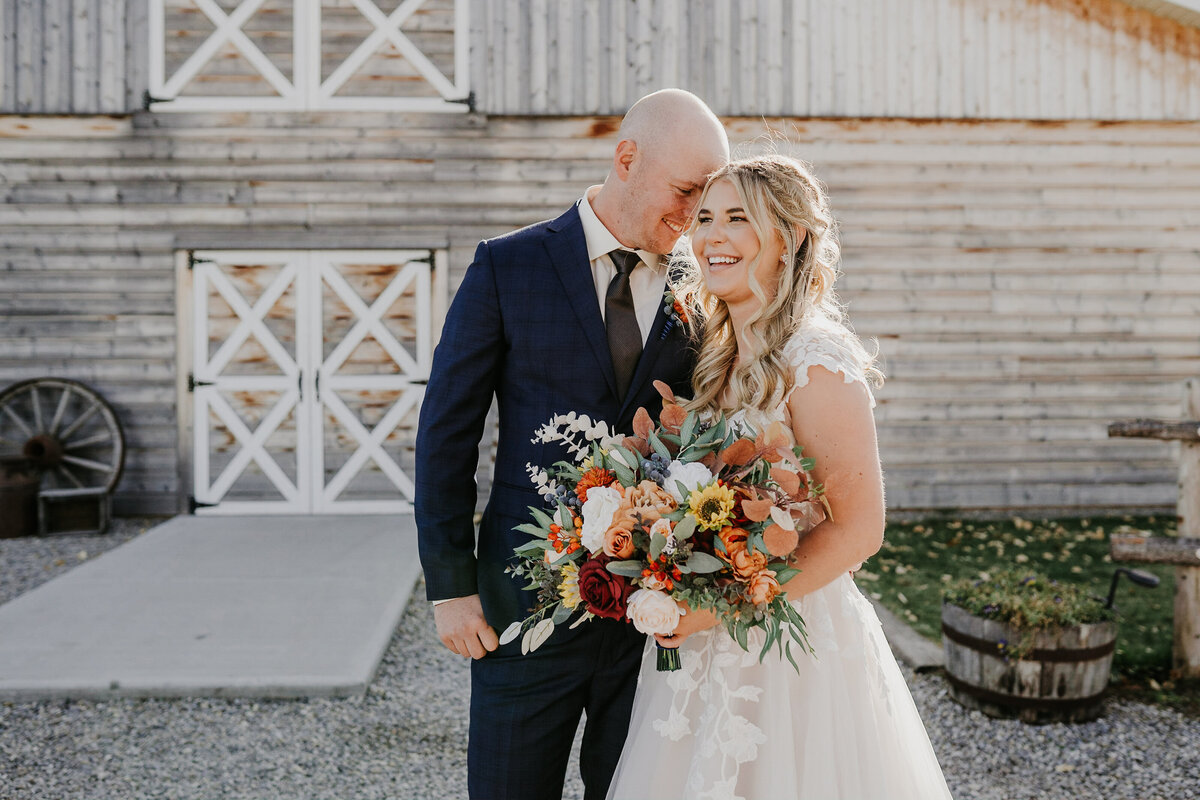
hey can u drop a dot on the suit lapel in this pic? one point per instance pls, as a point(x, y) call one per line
point(568, 253)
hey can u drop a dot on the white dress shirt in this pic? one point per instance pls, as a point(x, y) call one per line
point(648, 281)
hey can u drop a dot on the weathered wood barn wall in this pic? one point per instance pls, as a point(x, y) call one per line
point(1018, 185)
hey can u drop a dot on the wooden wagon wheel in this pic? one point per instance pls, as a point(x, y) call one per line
point(67, 430)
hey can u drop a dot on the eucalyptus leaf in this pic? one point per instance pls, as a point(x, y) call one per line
point(511, 632)
point(657, 543)
point(541, 632)
point(658, 446)
point(628, 569)
point(741, 637)
point(685, 528)
point(627, 456)
point(786, 574)
point(525, 640)
point(531, 547)
point(561, 614)
point(566, 519)
point(532, 530)
point(703, 563)
point(689, 425)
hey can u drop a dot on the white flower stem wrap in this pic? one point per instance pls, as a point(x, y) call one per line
point(653, 613)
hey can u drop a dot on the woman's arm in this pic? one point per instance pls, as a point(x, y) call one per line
point(832, 421)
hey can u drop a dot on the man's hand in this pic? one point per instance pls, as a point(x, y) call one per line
point(462, 628)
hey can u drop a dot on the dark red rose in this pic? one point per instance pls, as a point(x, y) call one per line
point(604, 593)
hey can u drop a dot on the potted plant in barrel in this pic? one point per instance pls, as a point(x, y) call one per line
point(1018, 644)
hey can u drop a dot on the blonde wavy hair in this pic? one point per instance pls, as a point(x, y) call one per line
point(781, 197)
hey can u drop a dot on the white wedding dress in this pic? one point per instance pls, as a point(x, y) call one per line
point(726, 727)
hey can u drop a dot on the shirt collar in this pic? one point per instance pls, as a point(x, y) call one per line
point(600, 240)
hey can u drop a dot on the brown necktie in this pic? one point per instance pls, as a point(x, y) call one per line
point(624, 336)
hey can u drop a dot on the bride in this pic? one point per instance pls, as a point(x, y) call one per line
point(775, 347)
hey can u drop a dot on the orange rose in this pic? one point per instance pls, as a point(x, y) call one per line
point(763, 587)
point(746, 564)
point(734, 540)
point(618, 542)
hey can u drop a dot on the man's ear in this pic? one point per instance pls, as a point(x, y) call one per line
point(624, 157)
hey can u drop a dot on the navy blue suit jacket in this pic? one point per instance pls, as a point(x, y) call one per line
point(524, 326)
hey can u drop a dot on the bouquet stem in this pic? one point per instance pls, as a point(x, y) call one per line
point(668, 658)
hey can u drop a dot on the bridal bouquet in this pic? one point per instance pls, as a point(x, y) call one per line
point(705, 512)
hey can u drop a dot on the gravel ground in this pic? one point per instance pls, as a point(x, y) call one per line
point(406, 738)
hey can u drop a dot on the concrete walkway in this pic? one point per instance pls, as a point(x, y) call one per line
point(217, 606)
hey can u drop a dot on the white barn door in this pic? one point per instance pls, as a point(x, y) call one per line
point(308, 368)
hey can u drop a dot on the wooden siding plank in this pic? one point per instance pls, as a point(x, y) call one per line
point(29, 47)
point(1026, 283)
point(83, 51)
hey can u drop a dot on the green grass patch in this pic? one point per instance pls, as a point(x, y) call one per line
point(919, 559)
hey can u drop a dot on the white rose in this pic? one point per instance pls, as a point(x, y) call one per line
point(693, 476)
point(602, 503)
point(653, 612)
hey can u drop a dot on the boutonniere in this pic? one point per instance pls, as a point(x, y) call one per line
point(676, 313)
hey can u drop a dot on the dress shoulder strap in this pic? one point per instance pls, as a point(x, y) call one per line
point(828, 345)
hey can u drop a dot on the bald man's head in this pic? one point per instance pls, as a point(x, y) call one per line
point(659, 117)
point(667, 145)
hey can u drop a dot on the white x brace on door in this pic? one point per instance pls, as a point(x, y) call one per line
point(308, 368)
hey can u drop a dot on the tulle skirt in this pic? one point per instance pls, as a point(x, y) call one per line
point(725, 726)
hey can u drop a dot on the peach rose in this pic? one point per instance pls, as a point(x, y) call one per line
point(647, 495)
point(763, 587)
point(618, 542)
point(746, 564)
point(653, 612)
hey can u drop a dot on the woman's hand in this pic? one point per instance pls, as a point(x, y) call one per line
point(691, 622)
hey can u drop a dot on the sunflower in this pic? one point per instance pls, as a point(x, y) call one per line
point(596, 476)
point(711, 506)
point(568, 590)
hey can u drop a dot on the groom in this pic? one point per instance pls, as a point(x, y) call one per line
point(565, 315)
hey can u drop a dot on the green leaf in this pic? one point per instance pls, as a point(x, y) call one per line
point(628, 569)
point(787, 650)
point(657, 543)
point(808, 463)
point(676, 515)
point(570, 470)
point(628, 457)
point(623, 473)
point(689, 425)
point(532, 530)
point(658, 446)
point(561, 614)
point(531, 547)
point(786, 574)
point(741, 637)
point(703, 563)
point(566, 519)
point(684, 529)
point(672, 438)
point(542, 517)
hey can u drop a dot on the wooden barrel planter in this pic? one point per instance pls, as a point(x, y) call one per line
point(1062, 679)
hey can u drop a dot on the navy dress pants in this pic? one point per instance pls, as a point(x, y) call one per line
point(525, 711)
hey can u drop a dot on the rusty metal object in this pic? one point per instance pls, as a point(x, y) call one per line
point(66, 430)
